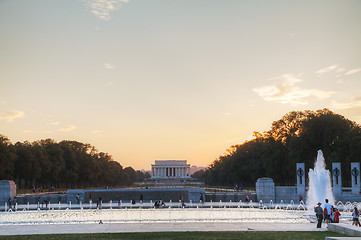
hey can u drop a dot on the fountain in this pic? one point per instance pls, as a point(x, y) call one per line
point(319, 184)
point(173, 212)
point(214, 211)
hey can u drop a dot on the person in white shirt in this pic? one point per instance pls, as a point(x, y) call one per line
point(327, 211)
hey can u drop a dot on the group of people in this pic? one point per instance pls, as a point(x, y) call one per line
point(159, 204)
point(328, 213)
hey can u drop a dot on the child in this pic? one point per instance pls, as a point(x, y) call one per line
point(336, 218)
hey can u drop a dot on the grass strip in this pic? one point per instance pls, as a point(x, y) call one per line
point(247, 235)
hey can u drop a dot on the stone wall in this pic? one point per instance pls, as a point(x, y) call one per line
point(40, 197)
point(136, 194)
point(286, 194)
point(265, 189)
point(7, 189)
point(227, 196)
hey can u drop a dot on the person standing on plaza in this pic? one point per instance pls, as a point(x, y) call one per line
point(319, 214)
point(9, 202)
point(336, 218)
point(327, 211)
point(355, 217)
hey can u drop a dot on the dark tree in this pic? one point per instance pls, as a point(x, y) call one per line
point(296, 137)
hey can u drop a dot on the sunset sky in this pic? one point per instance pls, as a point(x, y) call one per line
point(147, 80)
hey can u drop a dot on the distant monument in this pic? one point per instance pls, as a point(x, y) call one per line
point(170, 169)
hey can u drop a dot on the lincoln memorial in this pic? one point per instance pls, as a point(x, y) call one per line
point(170, 169)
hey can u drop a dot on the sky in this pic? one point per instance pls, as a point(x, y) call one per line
point(172, 80)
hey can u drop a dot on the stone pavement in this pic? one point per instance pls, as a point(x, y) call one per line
point(155, 227)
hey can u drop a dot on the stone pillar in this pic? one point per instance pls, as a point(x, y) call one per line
point(265, 189)
point(336, 179)
point(300, 173)
point(7, 189)
point(355, 177)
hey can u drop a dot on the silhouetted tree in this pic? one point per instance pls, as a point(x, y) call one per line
point(296, 137)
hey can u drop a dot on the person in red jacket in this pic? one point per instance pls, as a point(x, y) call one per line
point(336, 216)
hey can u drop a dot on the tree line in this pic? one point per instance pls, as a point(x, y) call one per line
point(296, 137)
point(67, 164)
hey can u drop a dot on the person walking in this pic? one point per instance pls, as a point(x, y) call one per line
point(319, 214)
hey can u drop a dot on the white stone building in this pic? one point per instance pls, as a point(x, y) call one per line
point(170, 169)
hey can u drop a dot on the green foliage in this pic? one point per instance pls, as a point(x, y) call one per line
point(296, 137)
point(199, 175)
point(67, 164)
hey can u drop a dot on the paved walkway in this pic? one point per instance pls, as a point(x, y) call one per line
point(155, 227)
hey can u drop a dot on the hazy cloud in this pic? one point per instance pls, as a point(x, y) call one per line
point(353, 71)
point(326, 69)
point(288, 92)
point(11, 115)
point(67, 128)
point(55, 123)
point(108, 66)
point(339, 70)
point(353, 103)
point(340, 81)
point(103, 8)
point(110, 83)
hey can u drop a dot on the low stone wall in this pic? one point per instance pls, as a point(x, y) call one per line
point(267, 191)
point(135, 194)
point(227, 197)
point(286, 194)
point(40, 197)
